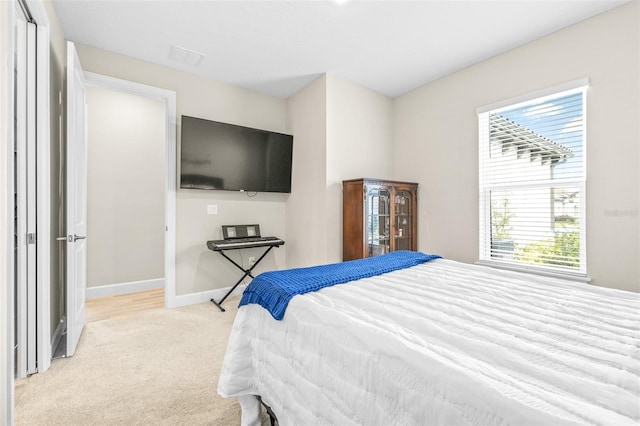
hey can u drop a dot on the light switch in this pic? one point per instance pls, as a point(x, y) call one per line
point(212, 209)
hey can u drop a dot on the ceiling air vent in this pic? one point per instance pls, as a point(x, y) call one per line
point(185, 56)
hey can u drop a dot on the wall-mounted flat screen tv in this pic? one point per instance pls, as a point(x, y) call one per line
point(224, 156)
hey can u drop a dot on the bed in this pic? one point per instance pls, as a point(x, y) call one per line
point(440, 343)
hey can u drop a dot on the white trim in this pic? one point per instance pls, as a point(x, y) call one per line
point(31, 196)
point(21, 295)
point(534, 270)
point(123, 288)
point(555, 90)
point(206, 296)
point(169, 98)
point(6, 216)
point(43, 247)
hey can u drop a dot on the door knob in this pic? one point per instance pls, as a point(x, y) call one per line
point(71, 238)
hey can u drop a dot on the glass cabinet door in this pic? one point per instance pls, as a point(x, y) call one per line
point(378, 221)
point(403, 204)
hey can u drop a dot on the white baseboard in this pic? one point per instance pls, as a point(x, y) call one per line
point(205, 296)
point(123, 288)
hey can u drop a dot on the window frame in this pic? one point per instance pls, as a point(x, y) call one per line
point(485, 225)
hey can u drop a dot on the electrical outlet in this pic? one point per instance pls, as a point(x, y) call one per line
point(212, 209)
point(252, 261)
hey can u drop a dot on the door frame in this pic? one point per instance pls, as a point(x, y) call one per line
point(26, 190)
point(169, 98)
point(7, 273)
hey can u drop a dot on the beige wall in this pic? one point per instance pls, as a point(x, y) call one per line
point(342, 131)
point(436, 129)
point(125, 178)
point(197, 268)
point(359, 134)
point(306, 209)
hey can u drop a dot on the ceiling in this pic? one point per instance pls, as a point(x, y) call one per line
point(278, 47)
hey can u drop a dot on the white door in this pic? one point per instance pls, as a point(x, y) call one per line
point(25, 194)
point(76, 199)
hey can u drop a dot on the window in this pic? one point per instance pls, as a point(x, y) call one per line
point(532, 182)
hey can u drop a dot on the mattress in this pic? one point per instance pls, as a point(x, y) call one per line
point(442, 343)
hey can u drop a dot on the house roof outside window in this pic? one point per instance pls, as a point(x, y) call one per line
point(512, 135)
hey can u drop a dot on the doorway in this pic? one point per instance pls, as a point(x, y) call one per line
point(126, 196)
point(131, 188)
point(111, 165)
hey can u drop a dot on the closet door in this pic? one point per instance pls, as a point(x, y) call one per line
point(25, 194)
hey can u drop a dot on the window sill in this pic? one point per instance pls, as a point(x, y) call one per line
point(583, 278)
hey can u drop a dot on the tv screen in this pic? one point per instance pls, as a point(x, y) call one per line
point(228, 157)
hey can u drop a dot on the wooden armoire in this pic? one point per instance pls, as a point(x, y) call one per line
point(378, 216)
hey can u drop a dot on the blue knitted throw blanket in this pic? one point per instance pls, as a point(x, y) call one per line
point(273, 290)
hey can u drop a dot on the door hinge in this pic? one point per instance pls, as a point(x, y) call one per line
point(31, 238)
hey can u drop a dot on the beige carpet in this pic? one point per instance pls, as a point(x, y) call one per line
point(155, 368)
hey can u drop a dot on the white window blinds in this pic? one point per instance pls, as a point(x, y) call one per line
point(532, 183)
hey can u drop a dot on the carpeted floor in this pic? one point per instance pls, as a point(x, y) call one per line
point(156, 368)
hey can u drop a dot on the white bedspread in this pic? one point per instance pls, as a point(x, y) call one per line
point(442, 343)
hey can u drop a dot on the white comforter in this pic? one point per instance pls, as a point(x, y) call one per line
point(442, 343)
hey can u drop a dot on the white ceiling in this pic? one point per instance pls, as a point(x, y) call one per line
point(278, 47)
